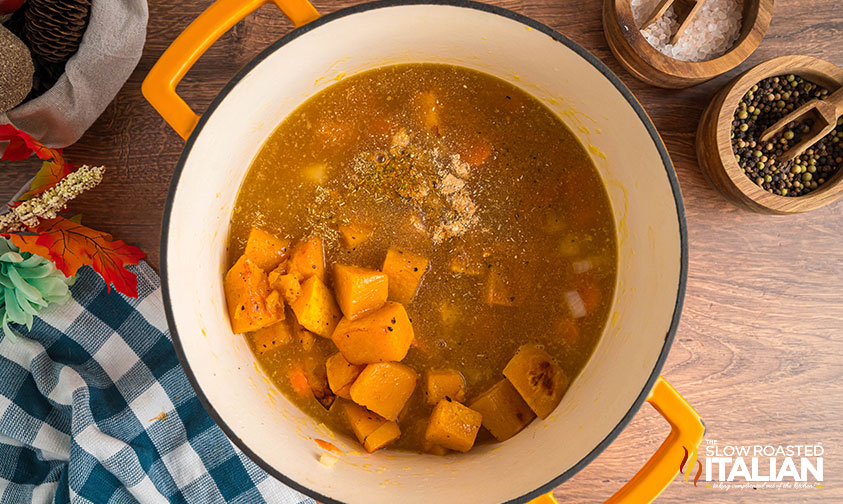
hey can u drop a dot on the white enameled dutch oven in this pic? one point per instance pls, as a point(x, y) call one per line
point(622, 374)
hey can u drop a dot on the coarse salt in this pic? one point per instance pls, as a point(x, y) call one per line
point(712, 31)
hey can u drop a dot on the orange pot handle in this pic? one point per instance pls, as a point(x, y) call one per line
point(159, 87)
point(686, 431)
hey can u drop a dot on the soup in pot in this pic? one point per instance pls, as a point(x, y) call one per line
point(422, 256)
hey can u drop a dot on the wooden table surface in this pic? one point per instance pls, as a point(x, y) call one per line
point(759, 352)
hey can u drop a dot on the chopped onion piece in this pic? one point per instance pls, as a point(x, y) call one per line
point(328, 460)
point(575, 304)
point(582, 266)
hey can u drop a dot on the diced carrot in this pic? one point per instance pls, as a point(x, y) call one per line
point(380, 127)
point(590, 295)
point(298, 381)
point(568, 331)
point(325, 445)
point(477, 152)
point(428, 107)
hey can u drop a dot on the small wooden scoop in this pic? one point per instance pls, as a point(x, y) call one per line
point(685, 11)
point(825, 113)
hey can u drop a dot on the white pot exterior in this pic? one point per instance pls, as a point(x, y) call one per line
point(625, 148)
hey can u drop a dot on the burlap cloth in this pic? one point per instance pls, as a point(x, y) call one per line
point(110, 50)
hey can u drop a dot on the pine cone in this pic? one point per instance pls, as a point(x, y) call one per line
point(54, 28)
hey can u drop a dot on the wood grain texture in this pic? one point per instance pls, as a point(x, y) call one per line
point(648, 64)
point(714, 144)
point(759, 351)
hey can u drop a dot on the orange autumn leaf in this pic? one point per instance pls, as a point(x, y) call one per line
point(21, 146)
point(48, 176)
point(71, 245)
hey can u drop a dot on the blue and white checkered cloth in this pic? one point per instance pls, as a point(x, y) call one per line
point(94, 408)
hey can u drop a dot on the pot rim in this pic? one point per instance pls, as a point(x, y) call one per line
point(470, 4)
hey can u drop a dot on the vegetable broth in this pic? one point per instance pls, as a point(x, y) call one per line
point(466, 170)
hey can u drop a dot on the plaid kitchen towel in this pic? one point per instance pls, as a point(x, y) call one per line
point(94, 408)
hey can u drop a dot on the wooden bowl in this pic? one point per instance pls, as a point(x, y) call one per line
point(714, 144)
point(651, 66)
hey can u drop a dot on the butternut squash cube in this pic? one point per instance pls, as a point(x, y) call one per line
point(384, 388)
point(405, 271)
point(246, 292)
point(442, 383)
point(453, 426)
point(275, 304)
point(499, 291)
point(433, 449)
point(362, 421)
point(359, 290)
point(271, 337)
point(341, 374)
point(288, 285)
point(306, 339)
point(308, 259)
point(316, 309)
point(366, 424)
point(539, 380)
point(504, 411)
point(317, 379)
point(265, 249)
point(382, 336)
point(355, 234)
point(382, 436)
point(276, 273)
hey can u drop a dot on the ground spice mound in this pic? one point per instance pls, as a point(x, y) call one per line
point(762, 106)
point(432, 182)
